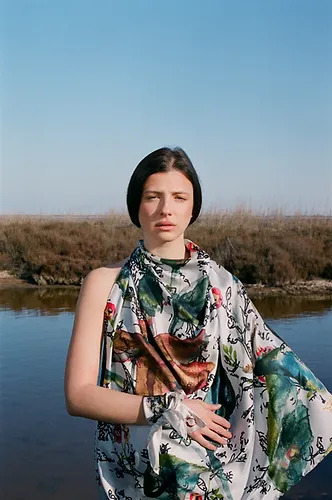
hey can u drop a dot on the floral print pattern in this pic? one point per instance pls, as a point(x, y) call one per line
point(217, 296)
point(189, 326)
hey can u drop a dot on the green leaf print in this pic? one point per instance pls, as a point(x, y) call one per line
point(219, 472)
point(289, 433)
point(189, 306)
point(150, 294)
point(286, 363)
point(216, 494)
point(222, 392)
point(230, 356)
point(280, 390)
point(293, 450)
point(176, 478)
point(283, 372)
point(123, 279)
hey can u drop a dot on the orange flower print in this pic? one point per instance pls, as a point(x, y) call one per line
point(217, 296)
point(110, 311)
point(248, 368)
point(263, 350)
point(292, 453)
point(259, 352)
point(192, 247)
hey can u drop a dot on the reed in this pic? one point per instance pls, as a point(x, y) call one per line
point(271, 249)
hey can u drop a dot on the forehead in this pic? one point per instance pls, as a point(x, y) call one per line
point(172, 179)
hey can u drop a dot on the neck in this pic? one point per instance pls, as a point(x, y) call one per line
point(168, 249)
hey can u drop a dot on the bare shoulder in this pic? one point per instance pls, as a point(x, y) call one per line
point(98, 283)
point(106, 273)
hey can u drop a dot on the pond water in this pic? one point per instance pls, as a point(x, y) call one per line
point(45, 453)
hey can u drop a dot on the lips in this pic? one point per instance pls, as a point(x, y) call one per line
point(165, 224)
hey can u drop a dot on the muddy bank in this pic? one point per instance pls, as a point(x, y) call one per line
point(8, 279)
point(315, 289)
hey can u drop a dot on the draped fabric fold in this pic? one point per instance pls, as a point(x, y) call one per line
point(174, 414)
point(188, 327)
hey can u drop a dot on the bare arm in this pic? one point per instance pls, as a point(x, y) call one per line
point(84, 398)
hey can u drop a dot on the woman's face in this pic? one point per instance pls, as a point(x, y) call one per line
point(166, 206)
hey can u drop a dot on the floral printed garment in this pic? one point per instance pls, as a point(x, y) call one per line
point(188, 326)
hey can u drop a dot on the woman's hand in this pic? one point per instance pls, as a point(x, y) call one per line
point(216, 428)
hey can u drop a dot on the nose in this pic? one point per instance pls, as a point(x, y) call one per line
point(165, 206)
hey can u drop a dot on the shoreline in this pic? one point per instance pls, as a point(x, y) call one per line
point(314, 289)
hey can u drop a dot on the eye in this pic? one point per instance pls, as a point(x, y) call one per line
point(180, 198)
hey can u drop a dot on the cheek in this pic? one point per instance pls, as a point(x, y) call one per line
point(185, 217)
point(141, 215)
point(145, 211)
point(189, 211)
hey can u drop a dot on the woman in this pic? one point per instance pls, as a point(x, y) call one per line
point(198, 397)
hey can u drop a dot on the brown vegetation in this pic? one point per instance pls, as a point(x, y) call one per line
point(267, 249)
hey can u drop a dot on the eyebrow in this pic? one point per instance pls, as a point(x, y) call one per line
point(161, 192)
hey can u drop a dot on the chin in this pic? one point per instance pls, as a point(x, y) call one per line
point(167, 236)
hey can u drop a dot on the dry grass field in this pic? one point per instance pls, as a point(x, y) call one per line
point(268, 249)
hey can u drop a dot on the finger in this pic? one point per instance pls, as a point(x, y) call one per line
point(220, 430)
point(214, 436)
point(211, 406)
point(202, 441)
point(221, 421)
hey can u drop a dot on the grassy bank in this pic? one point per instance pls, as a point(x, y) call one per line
point(272, 250)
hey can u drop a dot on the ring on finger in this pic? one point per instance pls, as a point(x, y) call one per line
point(192, 424)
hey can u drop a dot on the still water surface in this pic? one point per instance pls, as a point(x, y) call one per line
point(45, 453)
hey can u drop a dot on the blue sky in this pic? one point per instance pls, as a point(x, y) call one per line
point(91, 87)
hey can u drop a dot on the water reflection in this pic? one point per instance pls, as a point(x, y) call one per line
point(54, 452)
point(44, 301)
point(291, 306)
point(53, 300)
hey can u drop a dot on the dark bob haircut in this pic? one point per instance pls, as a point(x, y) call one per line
point(162, 160)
